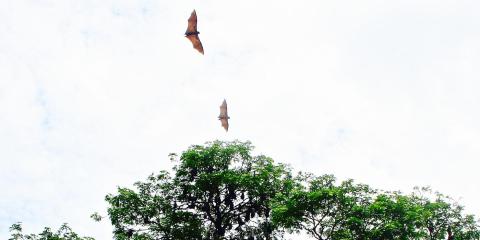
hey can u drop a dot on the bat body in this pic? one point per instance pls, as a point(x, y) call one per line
point(192, 33)
point(223, 117)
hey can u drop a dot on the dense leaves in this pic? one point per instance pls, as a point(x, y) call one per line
point(221, 191)
point(63, 233)
point(321, 208)
point(443, 218)
point(151, 212)
point(354, 211)
point(218, 191)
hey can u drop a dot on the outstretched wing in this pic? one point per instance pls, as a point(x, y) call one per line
point(192, 23)
point(196, 42)
point(223, 110)
point(224, 115)
point(192, 33)
point(224, 123)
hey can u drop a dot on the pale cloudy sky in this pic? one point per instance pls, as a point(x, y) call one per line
point(95, 94)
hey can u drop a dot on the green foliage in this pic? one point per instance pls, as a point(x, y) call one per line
point(96, 217)
point(151, 212)
point(321, 208)
point(388, 216)
point(218, 191)
point(354, 211)
point(443, 217)
point(63, 233)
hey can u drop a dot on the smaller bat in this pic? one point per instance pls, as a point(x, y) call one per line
point(223, 117)
point(192, 33)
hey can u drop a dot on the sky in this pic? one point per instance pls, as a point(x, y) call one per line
point(96, 94)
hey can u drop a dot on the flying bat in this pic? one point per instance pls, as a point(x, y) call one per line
point(223, 117)
point(192, 33)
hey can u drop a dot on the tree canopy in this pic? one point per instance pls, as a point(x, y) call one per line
point(217, 191)
point(326, 210)
point(63, 233)
point(221, 191)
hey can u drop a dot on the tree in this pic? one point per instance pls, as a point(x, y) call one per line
point(326, 210)
point(218, 191)
point(389, 215)
point(63, 233)
point(321, 208)
point(443, 218)
point(151, 212)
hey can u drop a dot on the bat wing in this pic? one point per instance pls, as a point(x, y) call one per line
point(223, 110)
point(192, 33)
point(192, 23)
point(196, 42)
point(224, 115)
point(224, 123)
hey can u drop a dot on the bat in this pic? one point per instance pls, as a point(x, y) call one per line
point(223, 117)
point(192, 33)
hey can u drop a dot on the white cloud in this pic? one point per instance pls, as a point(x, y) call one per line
point(96, 94)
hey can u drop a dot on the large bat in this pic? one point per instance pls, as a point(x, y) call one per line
point(192, 33)
point(223, 117)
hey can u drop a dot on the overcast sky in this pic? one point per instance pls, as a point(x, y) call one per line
point(95, 94)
